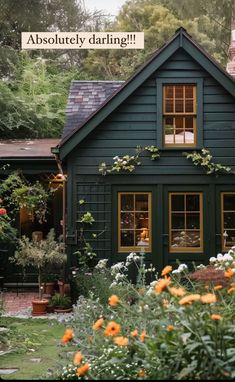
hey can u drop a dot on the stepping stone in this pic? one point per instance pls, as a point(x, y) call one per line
point(36, 360)
point(8, 371)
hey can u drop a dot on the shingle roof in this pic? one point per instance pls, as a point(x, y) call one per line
point(85, 97)
point(35, 148)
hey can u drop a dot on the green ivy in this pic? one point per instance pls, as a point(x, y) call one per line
point(204, 159)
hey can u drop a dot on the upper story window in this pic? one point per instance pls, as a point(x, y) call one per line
point(179, 115)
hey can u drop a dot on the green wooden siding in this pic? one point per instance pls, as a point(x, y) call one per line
point(134, 123)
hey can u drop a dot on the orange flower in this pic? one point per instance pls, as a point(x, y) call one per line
point(161, 285)
point(216, 317)
point(229, 273)
point(68, 335)
point(166, 270)
point(177, 292)
point(143, 335)
point(170, 328)
point(217, 287)
point(112, 329)
point(187, 300)
point(231, 290)
point(98, 324)
point(113, 300)
point(3, 211)
point(83, 370)
point(134, 333)
point(121, 341)
point(77, 358)
point(141, 373)
point(208, 298)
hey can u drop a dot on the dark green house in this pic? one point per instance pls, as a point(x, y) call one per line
point(180, 101)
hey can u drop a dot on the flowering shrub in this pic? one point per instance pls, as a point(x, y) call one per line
point(170, 331)
point(7, 231)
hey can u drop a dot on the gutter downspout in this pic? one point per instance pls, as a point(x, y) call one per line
point(59, 165)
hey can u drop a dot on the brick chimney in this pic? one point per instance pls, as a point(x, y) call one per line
point(231, 52)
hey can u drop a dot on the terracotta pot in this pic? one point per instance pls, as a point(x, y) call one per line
point(39, 307)
point(64, 288)
point(61, 310)
point(49, 288)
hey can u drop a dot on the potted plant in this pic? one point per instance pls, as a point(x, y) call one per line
point(40, 254)
point(61, 304)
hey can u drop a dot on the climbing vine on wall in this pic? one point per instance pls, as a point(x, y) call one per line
point(128, 163)
point(204, 159)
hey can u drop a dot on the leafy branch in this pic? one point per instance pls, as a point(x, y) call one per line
point(204, 159)
point(128, 163)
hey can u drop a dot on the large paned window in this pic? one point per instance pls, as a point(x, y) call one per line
point(134, 210)
point(228, 219)
point(179, 115)
point(185, 222)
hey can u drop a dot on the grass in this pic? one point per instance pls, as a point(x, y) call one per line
point(28, 339)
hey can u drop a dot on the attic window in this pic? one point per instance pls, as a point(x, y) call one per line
point(179, 115)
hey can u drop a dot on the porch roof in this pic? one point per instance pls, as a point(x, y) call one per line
point(29, 148)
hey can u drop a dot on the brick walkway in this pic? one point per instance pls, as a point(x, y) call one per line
point(14, 302)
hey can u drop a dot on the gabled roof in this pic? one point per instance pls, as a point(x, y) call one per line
point(85, 97)
point(180, 40)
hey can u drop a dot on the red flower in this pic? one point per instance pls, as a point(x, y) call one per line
point(3, 211)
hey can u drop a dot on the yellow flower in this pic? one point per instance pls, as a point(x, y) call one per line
point(188, 300)
point(177, 292)
point(166, 270)
point(113, 300)
point(134, 333)
point(229, 273)
point(121, 341)
point(77, 358)
point(112, 329)
point(143, 335)
point(161, 285)
point(83, 370)
point(231, 290)
point(170, 328)
point(216, 317)
point(208, 298)
point(98, 324)
point(217, 287)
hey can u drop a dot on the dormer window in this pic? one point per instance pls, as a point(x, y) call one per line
point(179, 115)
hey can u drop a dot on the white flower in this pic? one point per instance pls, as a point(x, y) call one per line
point(101, 264)
point(113, 284)
point(228, 257)
point(175, 271)
point(212, 260)
point(182, 267)
point(220, 257)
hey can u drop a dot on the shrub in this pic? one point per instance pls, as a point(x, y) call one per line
point(170, 331)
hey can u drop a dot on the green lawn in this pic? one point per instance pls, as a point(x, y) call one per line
point(29, 339)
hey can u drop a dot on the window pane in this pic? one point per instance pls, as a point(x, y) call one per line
point(189, 91)
point(177, 202)
point(127, 220)
point(192, 203)
point(229, 220)
point(141, 220)
point(177, 221)
point(179, 123)
point(169, 91)
point(142, 237)
point(179, 136)
point(169, 106)
point(179, 105)
point(179, 91)
point(193, 221)
point(229, 202)
point(127, 202)
point(141, 202)
point(189, 137)
point(229, 238)
point(192, 239)
point(127, 238)
point(178, 239)
point(189, 106)
point(189, 122)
